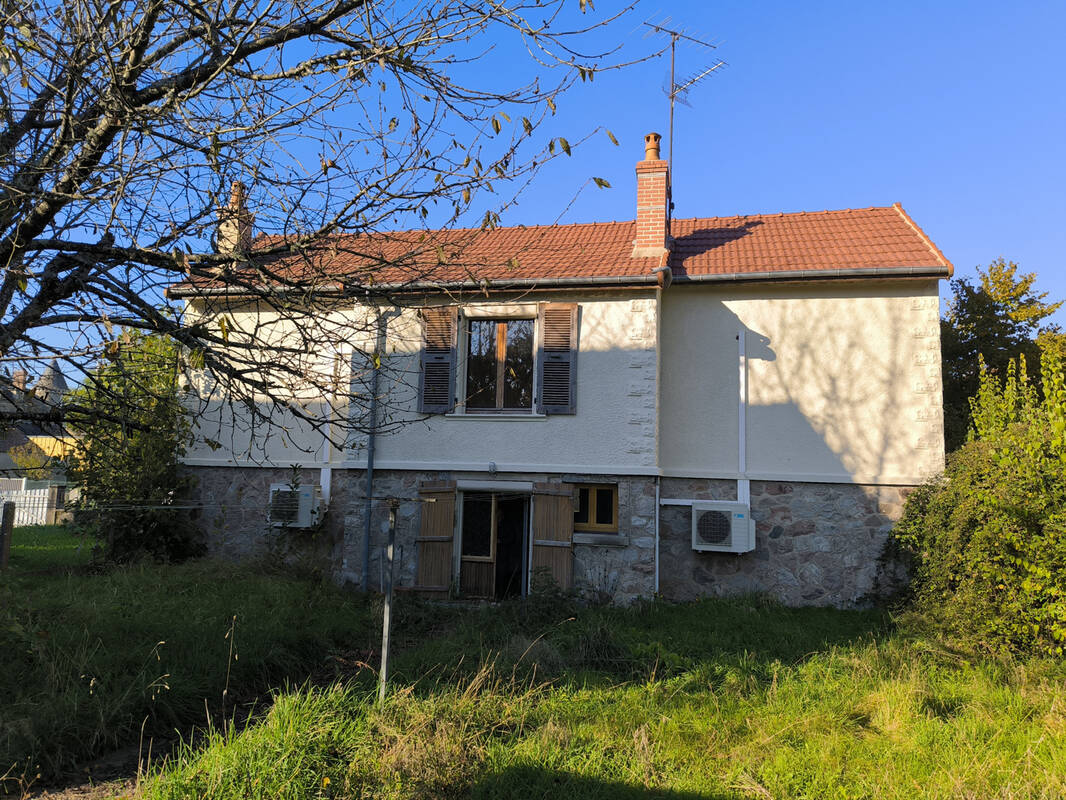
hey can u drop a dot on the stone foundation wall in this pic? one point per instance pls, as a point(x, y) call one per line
point(234, 503)
point(815, 544)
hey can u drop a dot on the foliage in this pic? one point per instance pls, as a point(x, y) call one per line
point(124, 126)
point(126, 456)
point(989, 538)
point(32, 461)
point(998, 320)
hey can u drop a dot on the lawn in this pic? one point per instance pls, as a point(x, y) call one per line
point(716, 699)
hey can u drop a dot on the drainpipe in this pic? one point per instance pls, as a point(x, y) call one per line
point(658, 479)
point(368, 504)
point(325, 474)
point(743, 484)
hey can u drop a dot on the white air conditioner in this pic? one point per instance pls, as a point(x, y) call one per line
point(295, 508)
point(722, 527)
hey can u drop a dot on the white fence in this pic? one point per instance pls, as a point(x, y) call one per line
point(32, 506)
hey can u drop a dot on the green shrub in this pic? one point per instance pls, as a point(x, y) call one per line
point(131, 431)
point(989, 538)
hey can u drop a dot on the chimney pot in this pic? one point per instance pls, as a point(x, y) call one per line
point(653, 197)
point(651, 146)
point(235, 222)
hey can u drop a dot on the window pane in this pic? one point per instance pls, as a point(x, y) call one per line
point(518, 365)
point(477, 526)
point(481, 365)
point(581, 515)
point(604, 506)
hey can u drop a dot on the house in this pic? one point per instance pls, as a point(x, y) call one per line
point(675, 407)
point(30, 448)
point(31, 437)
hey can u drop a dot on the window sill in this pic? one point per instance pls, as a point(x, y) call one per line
point(474, 415)
point(605, 539)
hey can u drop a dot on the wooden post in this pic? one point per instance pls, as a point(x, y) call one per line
point(386, 620)
point(7, 525)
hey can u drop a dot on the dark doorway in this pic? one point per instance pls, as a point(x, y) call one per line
point(494, 556)
point(510, 546)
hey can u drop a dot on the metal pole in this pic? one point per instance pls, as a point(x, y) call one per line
point(368, 505)
point(386, 618)
point(7, 525)
point(670, 164)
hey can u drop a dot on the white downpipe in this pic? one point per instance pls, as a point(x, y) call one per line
point(743, 484)
point(325, 473)
point(658, 480)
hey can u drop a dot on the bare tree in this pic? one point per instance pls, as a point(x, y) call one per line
point(128, 127)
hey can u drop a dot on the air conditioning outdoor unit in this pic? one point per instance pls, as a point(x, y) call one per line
point(722, 527)
point(295, 508)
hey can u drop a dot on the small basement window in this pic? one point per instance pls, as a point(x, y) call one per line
point(596, 509)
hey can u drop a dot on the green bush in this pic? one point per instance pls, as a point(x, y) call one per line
point(131, 431)
point(989, 538)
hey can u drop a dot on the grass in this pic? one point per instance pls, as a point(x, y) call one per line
point(720, 699)
point(715, 699)
point(47, 548)
point(89, 656)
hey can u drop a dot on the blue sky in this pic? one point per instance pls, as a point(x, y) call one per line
point(957, 110)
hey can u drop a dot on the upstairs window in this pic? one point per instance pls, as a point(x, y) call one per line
point(511, 364)
point(499, 365)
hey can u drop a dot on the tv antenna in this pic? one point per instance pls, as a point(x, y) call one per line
point(676, 91)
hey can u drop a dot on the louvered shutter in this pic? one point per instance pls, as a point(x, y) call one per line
point(436, 386)
point(553, 533)
point(557, 358)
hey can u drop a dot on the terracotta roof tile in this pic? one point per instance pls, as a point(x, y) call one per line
point(759, 245)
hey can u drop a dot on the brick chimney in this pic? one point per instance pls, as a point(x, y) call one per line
point(653, 198)
point(19, 378)
point(235, 223)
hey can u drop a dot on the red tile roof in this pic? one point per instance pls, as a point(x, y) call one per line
point(868, 241)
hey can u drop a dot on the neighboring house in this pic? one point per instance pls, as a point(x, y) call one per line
point(612, 404)
point(28, 436)
point(29, 448)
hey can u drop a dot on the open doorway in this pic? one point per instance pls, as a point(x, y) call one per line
point(494, 545)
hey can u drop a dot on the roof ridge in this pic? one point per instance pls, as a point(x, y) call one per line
point(788, 213)
point(928, 242)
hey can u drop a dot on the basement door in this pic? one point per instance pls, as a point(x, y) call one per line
point(494, 535)
point(551, 553)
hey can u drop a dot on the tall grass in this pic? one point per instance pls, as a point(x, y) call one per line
point(544, 698)
point(715, 699)
point(88, 658)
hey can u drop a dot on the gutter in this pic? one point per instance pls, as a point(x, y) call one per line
point(815, 274)
point(658, 277)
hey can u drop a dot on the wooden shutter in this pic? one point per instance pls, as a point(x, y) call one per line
point(436, 385)
point(553, 533)
point(436, 537)
point(557, 358)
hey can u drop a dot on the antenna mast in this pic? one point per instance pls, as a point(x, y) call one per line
point(676, 89)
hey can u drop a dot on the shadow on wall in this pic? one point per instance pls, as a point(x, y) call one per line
point(808, 372)
point(828, 400)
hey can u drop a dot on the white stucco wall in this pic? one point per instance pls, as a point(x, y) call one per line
point(843, 381)
point(614, 430)
point(843, 385)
